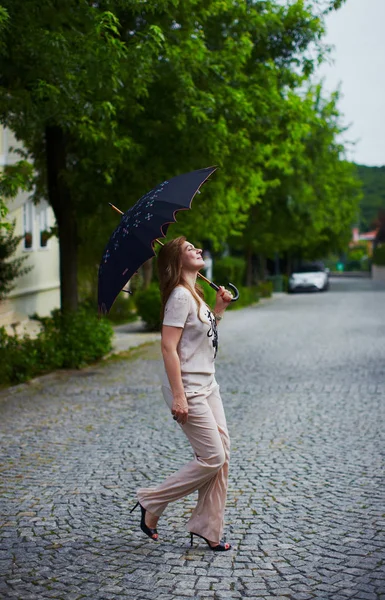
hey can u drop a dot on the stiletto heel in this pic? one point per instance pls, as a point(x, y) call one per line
point(221, 547)
point(151, 533)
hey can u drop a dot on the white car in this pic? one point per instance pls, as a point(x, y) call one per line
point(309, 277)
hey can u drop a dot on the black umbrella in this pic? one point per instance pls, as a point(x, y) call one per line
point(132, 242)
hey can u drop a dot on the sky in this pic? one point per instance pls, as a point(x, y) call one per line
point(358, 66)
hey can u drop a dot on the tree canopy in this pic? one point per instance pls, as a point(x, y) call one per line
point(372, 204)
point(111, 98)
point(314, 204)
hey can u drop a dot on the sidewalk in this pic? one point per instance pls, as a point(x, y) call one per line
point(131, 335)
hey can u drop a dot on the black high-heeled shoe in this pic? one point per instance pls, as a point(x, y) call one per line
point(221, 547)
point(147, 530)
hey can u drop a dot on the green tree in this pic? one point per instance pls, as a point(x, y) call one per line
point(373, 195)
point(219, 94)
point(110, 98)
point(315, 202)
point(60, 92)
point(10, 268)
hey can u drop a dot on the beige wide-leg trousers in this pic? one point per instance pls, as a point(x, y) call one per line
point(207, 432)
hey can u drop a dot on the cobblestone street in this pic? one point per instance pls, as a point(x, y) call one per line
point(303, 384)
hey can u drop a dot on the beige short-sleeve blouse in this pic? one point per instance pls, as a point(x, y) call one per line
point(199, 340)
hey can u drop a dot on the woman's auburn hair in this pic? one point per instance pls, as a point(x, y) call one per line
point(170, 273)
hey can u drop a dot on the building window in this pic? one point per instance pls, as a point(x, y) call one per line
point(28, 225)
point(43, 225)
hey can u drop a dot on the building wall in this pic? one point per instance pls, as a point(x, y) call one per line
point(38, 291)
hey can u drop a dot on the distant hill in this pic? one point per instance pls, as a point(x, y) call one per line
point(373, 201)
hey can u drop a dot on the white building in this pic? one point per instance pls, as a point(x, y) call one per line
point(38, 291)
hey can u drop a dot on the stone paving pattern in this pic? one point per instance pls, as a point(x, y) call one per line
point(303, 383)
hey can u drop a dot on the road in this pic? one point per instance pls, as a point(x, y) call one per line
point(303, 384)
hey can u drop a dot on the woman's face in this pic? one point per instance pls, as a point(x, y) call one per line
point(191, 257)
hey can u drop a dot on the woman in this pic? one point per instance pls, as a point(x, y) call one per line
point(189, 345)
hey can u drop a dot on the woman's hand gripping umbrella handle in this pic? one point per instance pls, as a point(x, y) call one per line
point(216, 287)
point(211, 284)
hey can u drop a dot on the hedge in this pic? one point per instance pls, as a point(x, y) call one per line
point(67, 341)
point(230, 269)
point(148, 306)
point(379, 256)
point(265, 289)
point(123, 310)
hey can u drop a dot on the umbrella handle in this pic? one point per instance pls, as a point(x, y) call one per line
point(230, 285)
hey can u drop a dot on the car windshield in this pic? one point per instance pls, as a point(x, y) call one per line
point(309, 269)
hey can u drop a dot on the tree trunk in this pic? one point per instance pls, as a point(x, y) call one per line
point(59, 197)
point(262, 267)
point(147, 272)
point(249, 267)
point(288, 264)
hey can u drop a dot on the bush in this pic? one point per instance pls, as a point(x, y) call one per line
point(65, 341)
point(353, 265)
point(148, 305)
point(78, 338)
point(357, 254)
point(123, 309)
point(379, 256)
point(19, 358)
point(230, 268)
point(247, 296)
point(265, 289)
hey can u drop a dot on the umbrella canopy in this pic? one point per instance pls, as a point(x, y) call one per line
point(132, 242)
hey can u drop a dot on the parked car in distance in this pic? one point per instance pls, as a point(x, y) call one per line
point(310, 277)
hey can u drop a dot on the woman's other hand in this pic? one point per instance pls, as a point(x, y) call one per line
point(179, 409)
point(222, 300)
